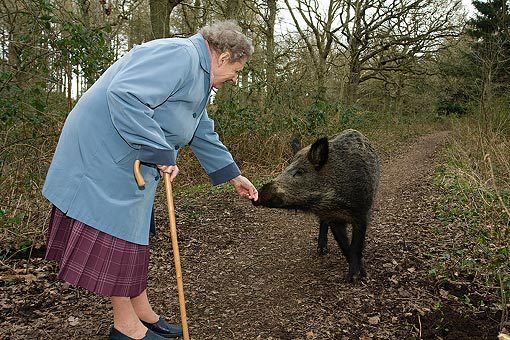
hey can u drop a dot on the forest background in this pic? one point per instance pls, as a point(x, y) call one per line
point(394, 69)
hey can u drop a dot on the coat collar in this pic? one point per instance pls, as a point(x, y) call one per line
point(203, 51)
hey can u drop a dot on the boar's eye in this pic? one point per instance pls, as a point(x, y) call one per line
point(298, 172)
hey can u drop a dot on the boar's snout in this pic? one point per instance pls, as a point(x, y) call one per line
point(268, 197)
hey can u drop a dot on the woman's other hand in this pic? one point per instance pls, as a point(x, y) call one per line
point(173, 170)
point(244, 188)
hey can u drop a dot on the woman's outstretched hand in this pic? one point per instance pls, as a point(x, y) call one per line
point(244, 188)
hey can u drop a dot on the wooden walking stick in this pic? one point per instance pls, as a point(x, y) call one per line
point(175, 246)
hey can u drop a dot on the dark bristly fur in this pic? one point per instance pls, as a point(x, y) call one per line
point(336, 179)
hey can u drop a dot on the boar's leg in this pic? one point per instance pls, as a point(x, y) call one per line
point(322, 244)
point(339, 230)
point(359, 229)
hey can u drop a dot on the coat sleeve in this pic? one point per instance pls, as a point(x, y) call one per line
point(149, 77)
point(212, 154)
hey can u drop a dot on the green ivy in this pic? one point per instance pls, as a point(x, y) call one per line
point(85, 48)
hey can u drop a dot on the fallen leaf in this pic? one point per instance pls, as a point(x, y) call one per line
point(374, 320)
point(73, 321)
point(310, 334)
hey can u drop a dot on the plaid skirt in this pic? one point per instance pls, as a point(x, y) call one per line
point(94, 260)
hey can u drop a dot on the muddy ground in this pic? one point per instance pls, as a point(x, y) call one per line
point(253, 273)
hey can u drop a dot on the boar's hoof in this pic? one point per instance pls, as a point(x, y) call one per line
point(355, 277)
point(322, 250)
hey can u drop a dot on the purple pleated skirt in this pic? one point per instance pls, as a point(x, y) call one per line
point(96, 261)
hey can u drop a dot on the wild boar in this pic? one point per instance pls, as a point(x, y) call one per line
point(336, 179)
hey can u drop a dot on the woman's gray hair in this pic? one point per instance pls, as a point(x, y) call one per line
point(226, 36)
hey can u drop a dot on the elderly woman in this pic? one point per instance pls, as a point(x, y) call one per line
point(146, 106)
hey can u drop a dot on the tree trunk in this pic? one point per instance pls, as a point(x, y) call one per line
point(486, 95)
point(232, 10)
point(85, 12)
point(17, 34)
point(270, 54)
point(353, 81)
point(321, 78)
point(85, 18)
point(69, 74)
point(160, 17)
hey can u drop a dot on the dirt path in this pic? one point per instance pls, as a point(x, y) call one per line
point(253, 273)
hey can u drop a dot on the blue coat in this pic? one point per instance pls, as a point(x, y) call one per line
point(146, 106)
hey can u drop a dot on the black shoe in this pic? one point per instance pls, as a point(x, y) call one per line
point(116, 335)
point(163, 328)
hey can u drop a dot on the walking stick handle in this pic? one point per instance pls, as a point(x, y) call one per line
point(138, 175)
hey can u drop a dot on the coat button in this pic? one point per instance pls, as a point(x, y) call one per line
point(194, 115)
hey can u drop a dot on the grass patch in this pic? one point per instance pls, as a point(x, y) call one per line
point(474, 181)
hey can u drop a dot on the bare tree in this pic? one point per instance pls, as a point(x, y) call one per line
point(491, 60)
point(491, 52)
point(381, 36)
point(317, 31)
point(267, 11)
point(21, 51)
point(373, 36)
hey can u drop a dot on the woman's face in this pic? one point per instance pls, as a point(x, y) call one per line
point(225, 71)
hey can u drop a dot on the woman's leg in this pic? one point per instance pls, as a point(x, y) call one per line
point(143, 309)
point(125, 319)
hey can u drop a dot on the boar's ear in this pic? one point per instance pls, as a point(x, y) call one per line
point(318, 153)
point(295, 144)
